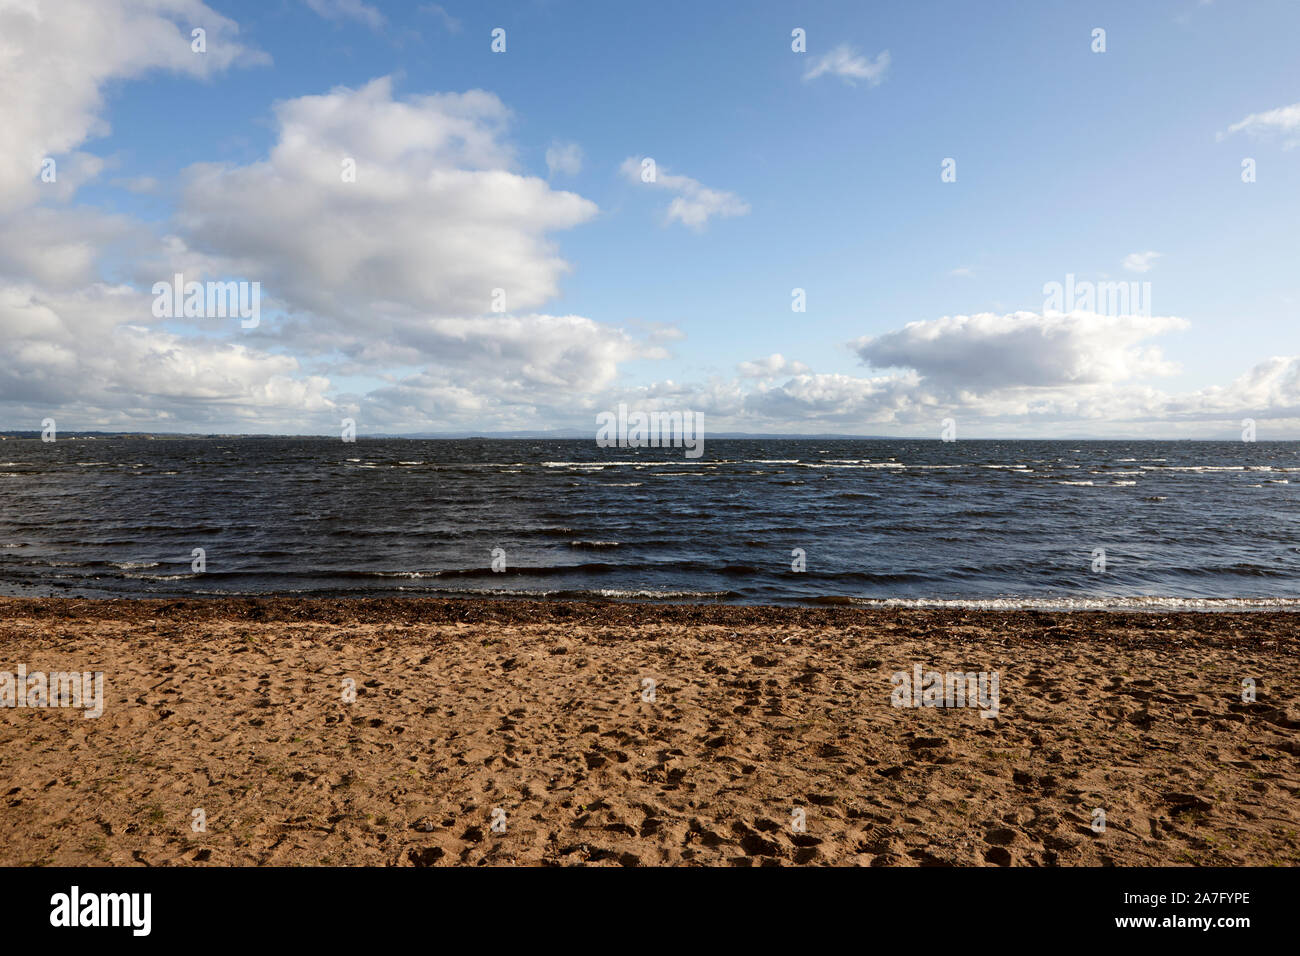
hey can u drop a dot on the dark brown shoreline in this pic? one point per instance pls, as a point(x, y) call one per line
point(1240, 628)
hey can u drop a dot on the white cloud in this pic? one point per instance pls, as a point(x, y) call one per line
point(1140, 261)
point(695, 204)
point(1284, 119)
point(908, 404)
point(963, 272)
point(435, 221)
point(564, 158)
point(850, 66)
point(88, 352)
point(989, 351)
point(1012, 374)
point(516, 371)
point(570, 353)
point(63, 246)
point(91, 357)
point(57, 55)
point(348, 10)
point(774, 365)
point(402, 278)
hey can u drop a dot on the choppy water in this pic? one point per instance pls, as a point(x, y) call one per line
point(983, 523)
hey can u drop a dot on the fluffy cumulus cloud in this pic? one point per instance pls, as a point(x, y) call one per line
point(569, 353)
point(1024, 349)
point(774, 365)
point(74, 343)
point(516, 371)
point(1271, 389)
point(62, 246)
point(89, 351)
point(1000, 374)
point(693, 203)
point(436, 255)
point(907, 405)
point(396, 210)
point(845, 402)
point(399, 267)
point(56, 56)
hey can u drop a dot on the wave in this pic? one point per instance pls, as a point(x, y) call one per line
point(1075, 603)
point(570, 594)
point(623, 464)
point(1194, 468)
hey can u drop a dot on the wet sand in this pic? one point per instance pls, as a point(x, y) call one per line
point(506, 733)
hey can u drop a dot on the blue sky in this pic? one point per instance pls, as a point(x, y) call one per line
point(1068, 161)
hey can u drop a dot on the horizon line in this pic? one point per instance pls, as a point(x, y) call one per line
point(29, 433)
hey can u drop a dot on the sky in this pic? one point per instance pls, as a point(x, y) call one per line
point(446, 216)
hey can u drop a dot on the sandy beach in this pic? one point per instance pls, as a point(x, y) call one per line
point(499, 733)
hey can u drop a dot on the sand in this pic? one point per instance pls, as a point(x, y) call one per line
point(509, 733)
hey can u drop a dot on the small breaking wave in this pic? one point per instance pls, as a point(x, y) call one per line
point(1082, 604)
